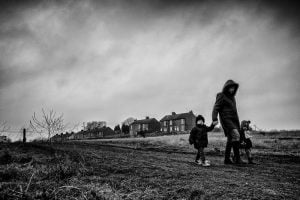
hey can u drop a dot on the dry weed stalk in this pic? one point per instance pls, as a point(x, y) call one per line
point(68, 187)
point(29, 182)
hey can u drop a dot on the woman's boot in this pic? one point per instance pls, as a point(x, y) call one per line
point(236, 151)
point(227, 160)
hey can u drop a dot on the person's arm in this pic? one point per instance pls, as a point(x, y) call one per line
point(191, 137)
point(210, 128)
point(218, 105)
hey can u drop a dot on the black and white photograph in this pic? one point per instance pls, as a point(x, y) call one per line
point(149, 99)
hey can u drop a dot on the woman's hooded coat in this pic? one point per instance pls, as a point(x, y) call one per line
point(225, 106)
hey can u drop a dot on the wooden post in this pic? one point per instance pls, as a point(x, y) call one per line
point(24, 135)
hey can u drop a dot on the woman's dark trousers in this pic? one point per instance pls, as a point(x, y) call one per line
point(233, 141)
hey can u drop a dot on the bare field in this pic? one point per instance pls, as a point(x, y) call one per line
point(284, 144)
point(144, 168)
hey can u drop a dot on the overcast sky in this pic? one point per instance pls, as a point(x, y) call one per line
point(109, 60)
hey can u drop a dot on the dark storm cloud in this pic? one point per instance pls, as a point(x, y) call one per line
point(285, 11)
point(107, 60)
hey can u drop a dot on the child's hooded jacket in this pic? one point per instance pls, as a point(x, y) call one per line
point(198, 135)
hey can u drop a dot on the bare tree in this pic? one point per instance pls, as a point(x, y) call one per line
point(128, 121)
point(48, 123)
point(4, 127)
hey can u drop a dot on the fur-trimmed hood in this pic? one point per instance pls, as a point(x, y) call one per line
point(228, 84)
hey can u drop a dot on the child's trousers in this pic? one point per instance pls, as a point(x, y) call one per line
point(248, 154)
point(200, 154)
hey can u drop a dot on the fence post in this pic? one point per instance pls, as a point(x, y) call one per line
point(24, 135)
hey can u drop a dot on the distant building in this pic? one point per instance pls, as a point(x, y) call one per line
point(55, 138)
point(62, 137)
point(146, 125)
point(178, 122)
point(79, 135)
point(95, 133)
point(71, 136)
point(66, 136)
point(94, 125)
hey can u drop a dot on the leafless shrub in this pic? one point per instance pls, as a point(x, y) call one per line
point(49, 123)
point(4, 127)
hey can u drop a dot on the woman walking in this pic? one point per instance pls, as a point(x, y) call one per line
point(225, 106)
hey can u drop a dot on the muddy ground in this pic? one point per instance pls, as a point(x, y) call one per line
point(103, 171)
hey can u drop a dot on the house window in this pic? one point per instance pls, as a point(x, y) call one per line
point(182, 125)
point(182, 121)
point(145, 127)
point(171, 125)
point(165, 123)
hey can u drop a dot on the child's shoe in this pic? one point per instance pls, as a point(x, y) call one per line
point(206, 163)
point(198, 162)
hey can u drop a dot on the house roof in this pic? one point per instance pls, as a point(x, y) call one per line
point(178, 116)
point(145, 121)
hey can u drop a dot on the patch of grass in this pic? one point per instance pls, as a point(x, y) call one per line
point(91, 171)
point(216, 140)
point(5, 158)
point(10, 173)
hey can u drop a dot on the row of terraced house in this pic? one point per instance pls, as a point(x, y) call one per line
point(170, 123)
point(173, 123)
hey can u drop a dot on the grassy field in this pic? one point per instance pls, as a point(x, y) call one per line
point(147, 168)
point(276, 144)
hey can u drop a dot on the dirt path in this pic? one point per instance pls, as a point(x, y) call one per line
point(174, 175)
point(103, 171)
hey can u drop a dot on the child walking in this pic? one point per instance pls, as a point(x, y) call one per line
point(246, 142)
point(198, 137)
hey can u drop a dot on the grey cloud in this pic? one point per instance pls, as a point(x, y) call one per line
point(112, 59)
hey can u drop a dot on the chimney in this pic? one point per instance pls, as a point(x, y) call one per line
point(173, 113)
point(147, 117)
